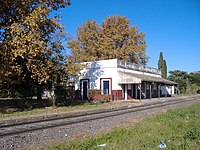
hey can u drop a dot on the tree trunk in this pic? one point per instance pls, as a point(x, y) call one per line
point(39, 91)
point(53, 96)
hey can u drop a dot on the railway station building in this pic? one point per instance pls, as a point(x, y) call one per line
point(121, 80)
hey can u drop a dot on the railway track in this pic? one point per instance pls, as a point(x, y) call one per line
point(25, 127)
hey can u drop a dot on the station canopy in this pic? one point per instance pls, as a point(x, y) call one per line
point(132, 78)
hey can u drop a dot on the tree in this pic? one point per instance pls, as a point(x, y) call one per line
point(162, 65)
point(195, 78)
point(115, 38)
point(85, 47)
point(160, 61)
point(26, 31)
point(187, 82)
point(165, 69)
point(181, 77)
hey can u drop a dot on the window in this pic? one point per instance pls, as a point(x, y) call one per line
point(106, 87)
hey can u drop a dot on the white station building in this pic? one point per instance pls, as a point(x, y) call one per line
point(121, 80)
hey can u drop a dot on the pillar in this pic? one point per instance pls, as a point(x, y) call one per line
point(136, 88)
point(159, 90)
point(150, 90)
point(125, 91)
point(140, 91)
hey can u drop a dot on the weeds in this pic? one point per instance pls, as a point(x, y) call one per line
point(179, 129)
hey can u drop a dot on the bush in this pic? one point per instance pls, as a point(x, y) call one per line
point(192, 89)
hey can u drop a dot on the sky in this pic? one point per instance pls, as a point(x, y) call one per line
point(170, 26)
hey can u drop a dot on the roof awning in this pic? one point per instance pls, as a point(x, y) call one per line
point(128, 78)
point(125, 78)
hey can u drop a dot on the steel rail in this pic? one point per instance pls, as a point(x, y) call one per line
point(107, 114)
point(66, 116)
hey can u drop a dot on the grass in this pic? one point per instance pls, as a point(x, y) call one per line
point(49, 110)
point(179, 129)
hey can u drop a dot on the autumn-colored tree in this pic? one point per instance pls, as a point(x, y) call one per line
point(86, 46)
point(26, 34)
point(114, 38)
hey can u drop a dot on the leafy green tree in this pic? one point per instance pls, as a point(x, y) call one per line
point(165, 69)
point(195, 78)
point(181, 77)
point(162, 65)
point(187, 82)
point(160, 61)
point(115, 38)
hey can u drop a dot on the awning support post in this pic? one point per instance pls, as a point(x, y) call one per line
point(125, 93)
point(150, 90)
point(140, 91)
point(159, 90)
point(136, 89)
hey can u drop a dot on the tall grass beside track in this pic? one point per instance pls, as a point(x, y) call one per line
point(179, 129)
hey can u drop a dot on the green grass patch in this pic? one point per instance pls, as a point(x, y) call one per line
point(179, 129)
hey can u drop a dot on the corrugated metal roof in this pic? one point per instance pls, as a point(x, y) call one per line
point(125, 78)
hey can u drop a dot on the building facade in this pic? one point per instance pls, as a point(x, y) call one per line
point(121, 80)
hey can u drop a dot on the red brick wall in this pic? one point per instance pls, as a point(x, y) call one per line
point(96, 95)
point(117, 94)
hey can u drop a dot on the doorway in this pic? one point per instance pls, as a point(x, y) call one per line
point(84, 88)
